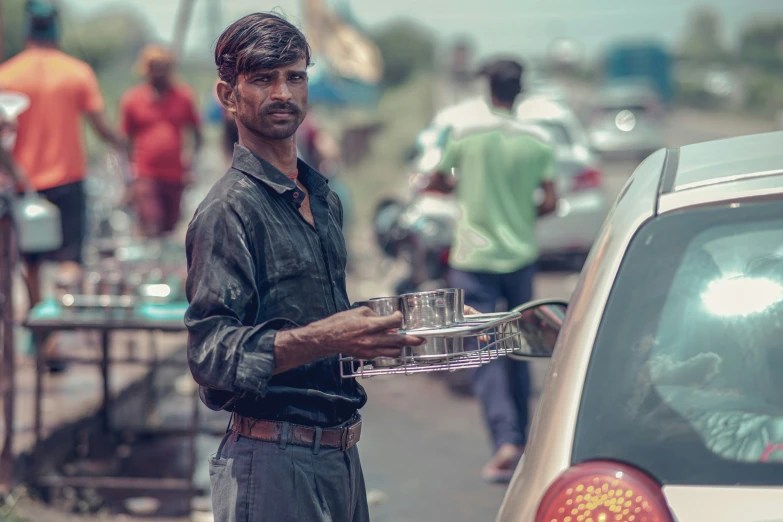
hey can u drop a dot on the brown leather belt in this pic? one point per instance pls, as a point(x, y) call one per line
point(272, 431)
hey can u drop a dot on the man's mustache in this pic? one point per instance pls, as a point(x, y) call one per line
point(282, 107)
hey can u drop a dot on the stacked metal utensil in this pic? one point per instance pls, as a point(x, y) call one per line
point(438, 317)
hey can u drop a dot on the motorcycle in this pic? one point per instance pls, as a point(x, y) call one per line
point(421, 230)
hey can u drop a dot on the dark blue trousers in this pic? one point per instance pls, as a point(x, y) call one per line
point(255, 481)
point(503, 385)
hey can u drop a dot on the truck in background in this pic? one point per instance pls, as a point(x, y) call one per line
point(649, 61)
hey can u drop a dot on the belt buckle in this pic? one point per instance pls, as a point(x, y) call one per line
point(350, 436)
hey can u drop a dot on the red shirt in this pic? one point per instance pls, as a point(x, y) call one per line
point(154, 124)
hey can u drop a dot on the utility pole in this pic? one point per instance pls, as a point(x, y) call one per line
point(214, 19)
point(2, 33)
point(181, 25)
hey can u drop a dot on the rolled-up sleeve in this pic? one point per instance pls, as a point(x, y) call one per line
point(226, 350)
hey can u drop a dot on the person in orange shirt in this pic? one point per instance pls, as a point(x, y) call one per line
point(49, 143)
point(154, 114)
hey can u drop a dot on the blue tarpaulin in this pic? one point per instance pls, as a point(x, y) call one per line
point(329, 88)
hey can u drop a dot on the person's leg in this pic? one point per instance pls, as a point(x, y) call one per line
point(32, 275)
point(517, 288)
point(149, 207)
point(171, 202)
point(490, 381)
point(361, 511)
point(71, 199)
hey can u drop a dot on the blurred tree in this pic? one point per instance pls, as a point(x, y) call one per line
point(115, 33)
point(111, 35)
point(406, 47)
point(703, 41)
point(761, 43)
point(13, 27)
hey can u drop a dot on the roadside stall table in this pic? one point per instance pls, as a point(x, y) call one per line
point(49, 317)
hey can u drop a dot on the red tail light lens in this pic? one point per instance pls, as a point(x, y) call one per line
point(444, 257)
point(589, 179)
point(603, 492)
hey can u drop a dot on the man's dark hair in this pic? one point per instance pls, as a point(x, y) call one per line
point(258, 41)
point(505, 79)
point(42, 21)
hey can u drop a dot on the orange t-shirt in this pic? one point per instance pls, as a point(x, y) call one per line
point(49, 143)
point(154, 125)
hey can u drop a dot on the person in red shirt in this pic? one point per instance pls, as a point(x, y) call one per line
point(154, 115)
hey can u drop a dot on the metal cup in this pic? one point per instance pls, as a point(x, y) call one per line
point(383, 306)
point(455, 305)
point(434, 309)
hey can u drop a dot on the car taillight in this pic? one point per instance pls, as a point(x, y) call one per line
point(443, 258)
point(603, 491)
point(588, 179)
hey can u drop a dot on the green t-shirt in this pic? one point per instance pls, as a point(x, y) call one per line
point(500, 163)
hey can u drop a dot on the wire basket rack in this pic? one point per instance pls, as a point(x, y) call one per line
point(496, 335)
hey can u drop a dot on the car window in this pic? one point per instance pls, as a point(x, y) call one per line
point(684, 379)
point(612, 110)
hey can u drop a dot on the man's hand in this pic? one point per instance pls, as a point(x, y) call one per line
point(469, 310)
point(362, 333)
point(359, 333)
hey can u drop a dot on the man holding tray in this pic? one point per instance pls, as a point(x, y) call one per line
point(269, 312)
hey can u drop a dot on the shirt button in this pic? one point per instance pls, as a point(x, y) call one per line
point(296, 195)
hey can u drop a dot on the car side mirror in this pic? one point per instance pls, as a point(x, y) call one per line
point(540, 323)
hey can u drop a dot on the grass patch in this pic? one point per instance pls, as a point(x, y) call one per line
point(403, 111)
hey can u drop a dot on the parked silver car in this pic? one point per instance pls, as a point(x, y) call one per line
point(582, 203)
point(626, 120)
point(663, 400)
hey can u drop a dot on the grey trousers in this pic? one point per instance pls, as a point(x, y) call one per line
point(255, 481)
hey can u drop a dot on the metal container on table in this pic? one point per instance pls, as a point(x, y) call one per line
point(92, 283)
point(383, 306)
point(433, 309)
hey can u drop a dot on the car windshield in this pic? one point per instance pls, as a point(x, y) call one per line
point(684, 378)
point(612, 110)
point(558, 132)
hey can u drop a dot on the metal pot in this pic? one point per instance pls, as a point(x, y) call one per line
point(383, 306)
point(38, 224)
point(434, 309)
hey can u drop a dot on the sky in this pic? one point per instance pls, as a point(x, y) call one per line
point(496, 26)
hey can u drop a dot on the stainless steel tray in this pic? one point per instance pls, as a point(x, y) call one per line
point(495, 338)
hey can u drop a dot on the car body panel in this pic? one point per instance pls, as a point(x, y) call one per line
point(645, 137)
point(725, 504)
point(736, 190)
point(551, 436)
point(574, 224)
point(645, 133)
point(720, 161)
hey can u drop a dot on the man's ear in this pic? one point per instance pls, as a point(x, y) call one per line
point(227, 96)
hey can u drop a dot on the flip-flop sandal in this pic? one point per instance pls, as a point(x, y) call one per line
point(497, 476)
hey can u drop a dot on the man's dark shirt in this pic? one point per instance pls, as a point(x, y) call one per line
point(255, 266)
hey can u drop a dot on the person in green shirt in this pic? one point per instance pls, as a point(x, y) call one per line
point(496, 164)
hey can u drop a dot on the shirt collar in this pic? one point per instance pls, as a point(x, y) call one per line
point(260, 169)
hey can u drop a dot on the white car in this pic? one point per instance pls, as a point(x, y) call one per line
point(582, 204)
point(663, 400)
point(626, 120)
